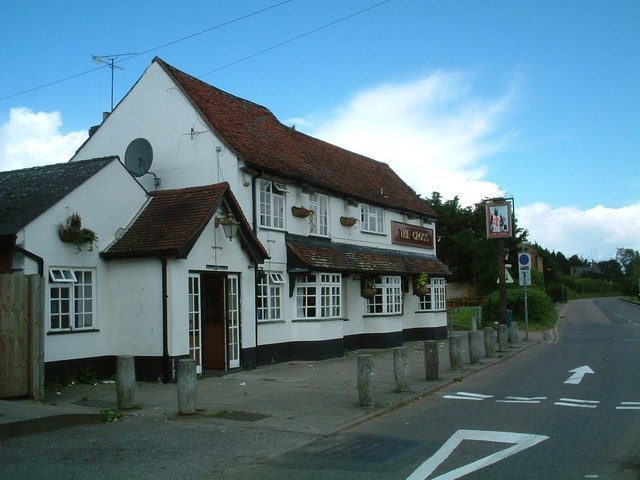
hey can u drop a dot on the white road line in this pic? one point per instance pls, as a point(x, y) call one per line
point(454, 397)
point(629, 403)
point(526, 398)
point(577, 400)
point(479, 395)
point(580, 405)
point(628, 408)
point(518, 401)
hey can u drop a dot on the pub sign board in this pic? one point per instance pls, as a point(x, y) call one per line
point(412, 236)
point(498, 219)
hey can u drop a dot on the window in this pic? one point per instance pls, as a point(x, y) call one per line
point(434, 299)
point(271, 204)
point(319, 296)
point(71, 299)
point(194, 319)
point(269, 296)
point(388, 297)
point(319, 205)
point(372, 219)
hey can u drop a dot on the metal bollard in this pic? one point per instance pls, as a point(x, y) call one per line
point(431, 361)
point(502, 337)
point(489, 342)
point(401, 369)
point(125, 382)
point(455, 352)
point(366, 390)
point(187, 386)
point(475, 349)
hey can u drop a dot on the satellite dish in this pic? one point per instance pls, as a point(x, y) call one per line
point(138, 157)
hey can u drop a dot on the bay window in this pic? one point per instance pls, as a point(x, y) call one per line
point(388, 297)
point(435, 298)
point(319, 296)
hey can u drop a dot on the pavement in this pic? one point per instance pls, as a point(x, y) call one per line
point(310, 397)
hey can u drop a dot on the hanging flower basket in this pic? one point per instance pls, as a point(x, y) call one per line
point(348, 221)
point(301, 212)
point(421, 285)
point(72, 232)
point(368, 289)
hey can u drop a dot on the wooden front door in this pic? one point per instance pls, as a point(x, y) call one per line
point(213, 322)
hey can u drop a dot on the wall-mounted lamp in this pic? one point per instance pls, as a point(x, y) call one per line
point(229, 225)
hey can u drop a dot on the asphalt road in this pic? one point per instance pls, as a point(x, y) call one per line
point(519, 420)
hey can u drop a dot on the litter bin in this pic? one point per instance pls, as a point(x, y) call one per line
point(509, 317)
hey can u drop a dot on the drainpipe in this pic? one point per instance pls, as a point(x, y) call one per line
point(254, 222)
point(166, 367)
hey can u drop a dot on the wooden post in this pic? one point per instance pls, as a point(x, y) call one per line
point(36, 333)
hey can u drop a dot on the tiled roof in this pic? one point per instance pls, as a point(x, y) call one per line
point(259, 139)
point(325, 255)
point(172, 221)
point(26, 194)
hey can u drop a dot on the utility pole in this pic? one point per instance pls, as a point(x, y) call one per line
point(109, 61)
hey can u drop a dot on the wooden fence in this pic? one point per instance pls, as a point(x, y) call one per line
point(21, 336)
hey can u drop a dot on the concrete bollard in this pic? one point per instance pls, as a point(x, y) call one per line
point(431, 361)
point(455, 352)
point(366, 390)
point(475, 348)
point(513, 334)
point(502, 337)
point(401, 369)
point(125, 382)
point(489, 342)
point(187, 386)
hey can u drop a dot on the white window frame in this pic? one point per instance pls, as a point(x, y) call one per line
point(318, 296)
point(269, 297)
point(371, 219)
point(71, 295)
point(435, 299)
point(271, 204)
point(195, 327)
point(389, 299)
point(319, 220)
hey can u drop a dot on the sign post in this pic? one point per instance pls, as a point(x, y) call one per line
point(524, 272)
point(499, 225)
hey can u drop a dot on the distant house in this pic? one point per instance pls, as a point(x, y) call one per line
point(331, 251)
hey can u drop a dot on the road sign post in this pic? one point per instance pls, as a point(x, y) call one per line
point(524, 274)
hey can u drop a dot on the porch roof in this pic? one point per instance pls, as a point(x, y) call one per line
point(172, 221)
point(313, 254)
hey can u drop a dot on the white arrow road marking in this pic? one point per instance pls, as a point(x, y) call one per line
point(522, 400)
point(575, 402)
point(629, 406)
point(578, 373)
point(467, 396)
point(522, 441)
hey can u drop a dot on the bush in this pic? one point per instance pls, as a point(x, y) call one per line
point(540, 307)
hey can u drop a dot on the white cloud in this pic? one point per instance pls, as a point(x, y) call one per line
point(34, 138)
point(432, 131)
point(594, 233)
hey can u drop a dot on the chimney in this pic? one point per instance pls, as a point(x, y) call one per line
point(105, 115)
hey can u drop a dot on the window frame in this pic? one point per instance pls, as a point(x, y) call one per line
point(435, 299)
point(369, 212)
point(271, 204)
point(319, 220)
point(323, 292)
point(269, 297)
point(389, 297)
point(74, 299)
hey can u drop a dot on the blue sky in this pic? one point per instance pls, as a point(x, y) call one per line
point(537, 99)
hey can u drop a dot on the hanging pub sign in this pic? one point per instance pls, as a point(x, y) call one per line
point(498, 219)
point(410, 235)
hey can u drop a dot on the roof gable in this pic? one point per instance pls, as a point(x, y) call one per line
point(260, 140)
point(171, 223)
point(27, 193)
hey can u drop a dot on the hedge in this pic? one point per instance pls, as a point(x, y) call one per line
point(540, 307)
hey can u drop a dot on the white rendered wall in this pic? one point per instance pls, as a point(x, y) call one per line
point(105, 202)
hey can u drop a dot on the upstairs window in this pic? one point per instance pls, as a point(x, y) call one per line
point(71, 299)
point(388, 297)
point(271, 204)
point(434, 299)
point(372, 219)
point(319, 221)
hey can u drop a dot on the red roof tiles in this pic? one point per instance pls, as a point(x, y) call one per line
point(259, 139)
point(172, 221)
